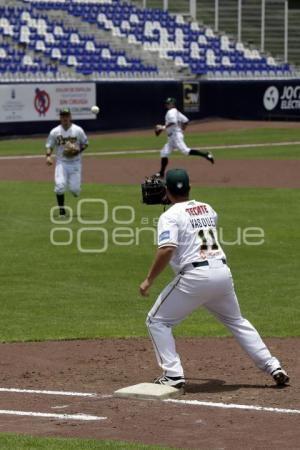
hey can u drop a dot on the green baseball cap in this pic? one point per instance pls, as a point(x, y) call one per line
point(178, 181)
point(65, 112)
point(170, 100)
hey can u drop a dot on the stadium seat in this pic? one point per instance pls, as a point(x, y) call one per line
point(27, 61)
point(56, 53)
point(3, 54)
point(72, 61)
point(40, 46)
point(90, 46)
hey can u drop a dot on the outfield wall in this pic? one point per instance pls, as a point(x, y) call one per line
point(251, 100)
point(33, 108)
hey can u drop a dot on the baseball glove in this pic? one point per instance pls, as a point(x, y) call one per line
point(154, 191)
point(158, 129)
point(71, 149)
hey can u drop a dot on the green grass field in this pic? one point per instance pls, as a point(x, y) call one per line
point(42, 281)
point(13, 442)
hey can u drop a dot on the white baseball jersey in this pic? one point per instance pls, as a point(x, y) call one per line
point(58, 137)
point(176, 117)
point(190, 227)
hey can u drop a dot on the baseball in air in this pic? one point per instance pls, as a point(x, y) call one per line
point(95, 109)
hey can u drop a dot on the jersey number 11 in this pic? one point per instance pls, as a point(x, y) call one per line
point(205, 236)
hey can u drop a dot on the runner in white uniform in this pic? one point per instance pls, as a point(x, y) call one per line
point(187, 238)
point(67, 169)
point(175, 124)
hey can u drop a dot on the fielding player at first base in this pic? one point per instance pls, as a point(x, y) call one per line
point(187, 239)
point(68, 141)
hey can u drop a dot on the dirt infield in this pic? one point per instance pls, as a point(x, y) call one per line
point(238, 173)
point(216, 369)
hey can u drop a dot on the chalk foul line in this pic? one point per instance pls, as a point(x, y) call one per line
point(133, 152)
point(79, 416)
point(94, 395)
point(47, 392)
point(234, 406)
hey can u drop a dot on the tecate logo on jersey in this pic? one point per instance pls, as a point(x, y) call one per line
point(287, 98)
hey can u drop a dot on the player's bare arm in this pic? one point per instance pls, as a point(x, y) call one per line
point(184, 125)
point(159, 128)
point(82, 147)
point(161, 260)
point(49, 160)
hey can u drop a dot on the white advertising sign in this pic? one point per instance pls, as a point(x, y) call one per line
point(42, 101)
point(285, 98)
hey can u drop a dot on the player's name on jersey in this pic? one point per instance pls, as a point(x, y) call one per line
point(197, 210)
point(203, 222)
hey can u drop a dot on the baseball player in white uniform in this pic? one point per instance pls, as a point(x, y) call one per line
point(175, 124)
point(66, 137)
point(187, 239)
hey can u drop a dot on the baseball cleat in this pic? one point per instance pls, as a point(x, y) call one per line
point(210, 157)
point(176, 382)
point(62, 212)
point(280, 377)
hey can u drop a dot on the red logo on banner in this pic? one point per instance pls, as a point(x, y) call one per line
point(41, 102)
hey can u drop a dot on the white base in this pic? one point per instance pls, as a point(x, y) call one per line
point(148, 391)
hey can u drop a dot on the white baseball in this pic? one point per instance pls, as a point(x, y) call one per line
point(95, 109)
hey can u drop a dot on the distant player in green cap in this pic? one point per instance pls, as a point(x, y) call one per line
point(68, 141)
point(188, 240)
point(175, 124)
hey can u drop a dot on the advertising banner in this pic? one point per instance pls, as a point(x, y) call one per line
point(191, 97)
point(283, 98)
point(257, 99)
point(42, 101)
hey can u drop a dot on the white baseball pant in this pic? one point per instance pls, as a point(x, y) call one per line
point(68, 175)
point(175, 141)
point(212, 288)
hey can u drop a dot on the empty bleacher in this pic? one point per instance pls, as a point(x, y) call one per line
point(33, 44)
point(50, 38)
